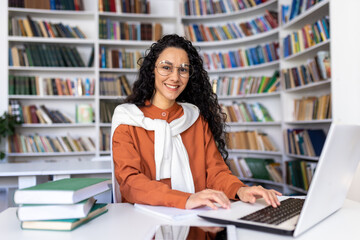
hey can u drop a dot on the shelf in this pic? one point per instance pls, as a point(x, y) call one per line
point(49, 154)
point(239, 69)
point(297, 189)
point(309, 122)
point(105, 152)
point(238, 40)
point(118, 70)
point(252, 95)
point(310, 86)
point(105, 124)
point(52, 69)
point(57, 125)
point(261, 181)
point(303, 157)
point(35, 97)
point(305, 14)
point(228, 15)
point(234, 124)
point(137, 16)
point(112, 97)
point(256, 152)
point(21, 11)
point(128, 43)
point(50, 40)
point(316, 47)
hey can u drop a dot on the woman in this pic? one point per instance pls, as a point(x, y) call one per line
point(167, 141)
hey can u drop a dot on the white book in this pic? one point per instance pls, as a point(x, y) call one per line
point(171, 213)
point(32, 212)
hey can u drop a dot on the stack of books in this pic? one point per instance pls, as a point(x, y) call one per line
point(60, 205)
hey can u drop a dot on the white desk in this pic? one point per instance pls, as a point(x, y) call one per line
point(21, 175)
point(27, 174)
point(123, 221)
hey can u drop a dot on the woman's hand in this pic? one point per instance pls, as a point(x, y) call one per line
point(208, 197)
point(250, 194)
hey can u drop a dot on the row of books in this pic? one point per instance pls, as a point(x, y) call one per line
point(60, 205)
point(44, 144)
point(107, 109)
point(136, 31)
point(239, 86)
point(75, 5)
point(114, 85)
point(27, 27)
point(242, 57)
point(208, 7)
point(307, 36)
point(45, 55)
point(300, 173)
point(125, 6)
point(201, 32)
point(312, 108)
point(42, 86)
point(250, 140)
point(297, 7)
point(306, 142)
point(246, 112)
point(315, 70)
point(266, 169)
point(104, 140)
point(119, 58)
point(31, 114)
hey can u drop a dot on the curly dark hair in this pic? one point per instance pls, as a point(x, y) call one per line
point(198, 90)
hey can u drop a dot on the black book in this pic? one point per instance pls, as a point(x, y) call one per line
point(77, 56)
point(91, 59)
point(58, 57)
point(60, 31)
point(65, 57)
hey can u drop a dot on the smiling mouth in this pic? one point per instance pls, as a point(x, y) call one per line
point(171, 86)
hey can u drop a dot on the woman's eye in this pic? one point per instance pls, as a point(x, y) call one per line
point(184, 70)
point(166, 68)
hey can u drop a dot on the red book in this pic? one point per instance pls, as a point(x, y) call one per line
point(34, 118)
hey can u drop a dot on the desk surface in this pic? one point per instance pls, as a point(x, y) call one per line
point(123, 221)
point(53, 168)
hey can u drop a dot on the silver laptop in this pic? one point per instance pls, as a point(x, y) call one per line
point(330, 184)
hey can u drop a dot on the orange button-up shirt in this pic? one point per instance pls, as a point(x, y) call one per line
point(134, 162)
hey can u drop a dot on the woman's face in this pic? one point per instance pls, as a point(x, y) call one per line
point(171, 76)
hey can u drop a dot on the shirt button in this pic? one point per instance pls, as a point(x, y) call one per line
point(163, 114)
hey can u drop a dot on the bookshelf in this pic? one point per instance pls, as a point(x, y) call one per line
point(271, 100)
point(280, 103)
point(316, 88)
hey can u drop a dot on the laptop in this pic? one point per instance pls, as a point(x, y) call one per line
point(328, 189)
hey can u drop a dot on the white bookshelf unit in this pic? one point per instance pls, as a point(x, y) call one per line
point(280, 104)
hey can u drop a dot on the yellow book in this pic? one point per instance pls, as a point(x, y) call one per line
point(28, 30)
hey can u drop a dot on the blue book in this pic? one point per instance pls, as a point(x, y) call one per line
point(268, 51)
point(326, 29)
point(259, 50)
point(248, 57)
point(254, 56)
point(232, 59)
point(197, 33)
point(222, 60)
point(317, 138)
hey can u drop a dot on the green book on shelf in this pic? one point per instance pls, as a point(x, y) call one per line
point(64, 191)
point(65, 224)
point(258, 167)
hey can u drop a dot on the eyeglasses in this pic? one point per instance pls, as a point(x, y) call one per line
point(165, 68)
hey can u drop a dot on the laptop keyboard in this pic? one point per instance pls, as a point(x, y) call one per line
point(287, 209)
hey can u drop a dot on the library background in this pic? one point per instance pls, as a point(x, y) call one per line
point(283, 71)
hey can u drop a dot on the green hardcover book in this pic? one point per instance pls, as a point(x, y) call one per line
point(72, 58)
point(11, 84)
point(258, 167)
point(272, 81)
point(65, 224)
point(77, 56)
point(57, 53)
point(64, 191)
point(65, 56)
point(30, 58)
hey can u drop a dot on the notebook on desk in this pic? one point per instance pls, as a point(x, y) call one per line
point(331, 181)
